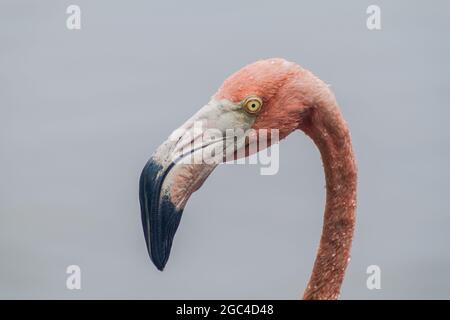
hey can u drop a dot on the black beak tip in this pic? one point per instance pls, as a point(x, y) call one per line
point(157, 256)
point(160, 217)
point(159, 265)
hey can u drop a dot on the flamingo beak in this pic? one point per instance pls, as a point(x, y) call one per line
point(179, 167)
point(162, 204)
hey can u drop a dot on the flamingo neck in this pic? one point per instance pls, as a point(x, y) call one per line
point(328, 130)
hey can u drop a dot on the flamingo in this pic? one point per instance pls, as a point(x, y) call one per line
point(267, 94)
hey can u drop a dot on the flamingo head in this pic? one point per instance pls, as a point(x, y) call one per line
point(268, 94)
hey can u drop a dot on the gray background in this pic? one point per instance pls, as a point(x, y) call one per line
point(81, 112)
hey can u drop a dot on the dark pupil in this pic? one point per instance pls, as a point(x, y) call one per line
point(253, 105)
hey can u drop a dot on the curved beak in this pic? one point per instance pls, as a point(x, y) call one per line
point(160, 218)
point(181, 165)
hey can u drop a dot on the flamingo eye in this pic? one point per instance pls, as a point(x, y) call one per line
point(252, 104)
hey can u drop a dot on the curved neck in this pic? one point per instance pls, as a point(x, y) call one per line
point(328, 130)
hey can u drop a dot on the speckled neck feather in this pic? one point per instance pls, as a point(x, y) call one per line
point(325, 125)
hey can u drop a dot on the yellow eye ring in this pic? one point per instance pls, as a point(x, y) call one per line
point(252, 104)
